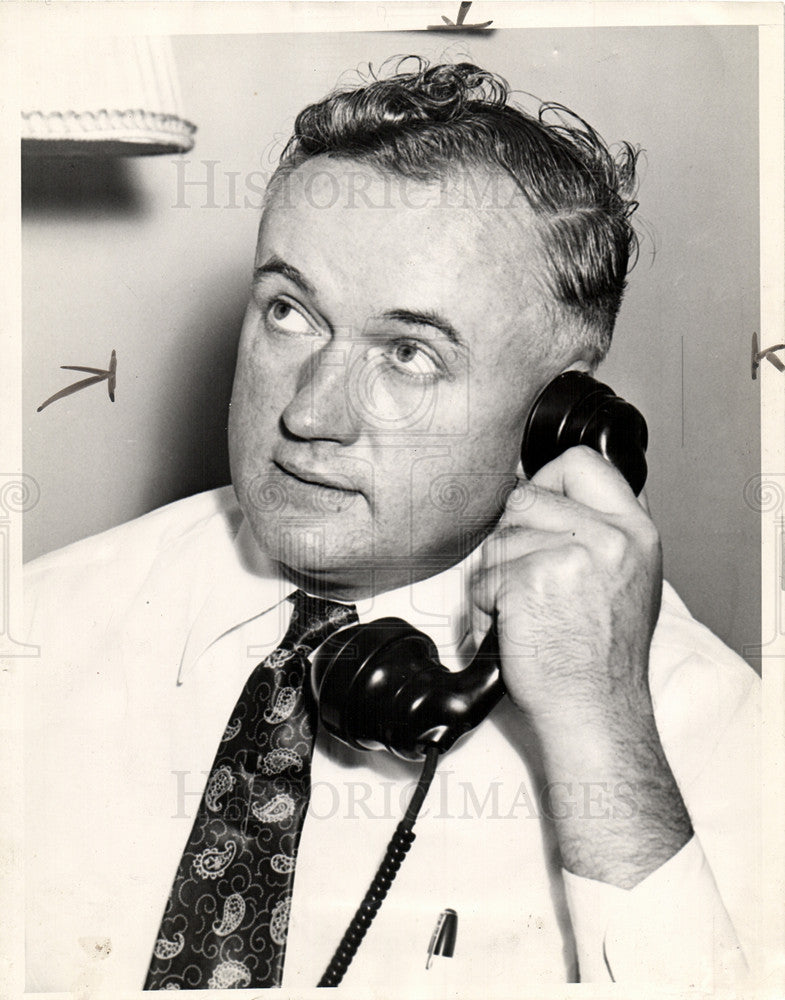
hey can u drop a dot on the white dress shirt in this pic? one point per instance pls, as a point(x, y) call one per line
point(148, 633)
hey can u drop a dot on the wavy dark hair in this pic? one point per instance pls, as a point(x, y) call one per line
point(425, 122)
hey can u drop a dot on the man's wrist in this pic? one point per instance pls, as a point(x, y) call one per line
point(615, 806)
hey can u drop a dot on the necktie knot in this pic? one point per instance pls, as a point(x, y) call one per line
point(315, 619)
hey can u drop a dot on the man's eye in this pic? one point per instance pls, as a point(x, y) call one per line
point(286, 318)
point(412, 360)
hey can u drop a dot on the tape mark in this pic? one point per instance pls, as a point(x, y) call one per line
point(768, 353)
point(108, 375)
point(460, 21)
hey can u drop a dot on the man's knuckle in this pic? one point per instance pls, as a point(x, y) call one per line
point(615, 544)
point(576, 558)
point(649, 535)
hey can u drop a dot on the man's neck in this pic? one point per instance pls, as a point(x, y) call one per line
point(369, 582)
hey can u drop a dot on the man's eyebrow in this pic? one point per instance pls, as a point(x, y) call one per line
point(275, 265)
point(426, 318)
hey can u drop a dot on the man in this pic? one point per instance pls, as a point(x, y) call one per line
point(428, 260)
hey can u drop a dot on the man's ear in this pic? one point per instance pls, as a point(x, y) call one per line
point(579, 366)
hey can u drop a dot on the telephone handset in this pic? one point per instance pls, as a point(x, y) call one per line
point(381, 685)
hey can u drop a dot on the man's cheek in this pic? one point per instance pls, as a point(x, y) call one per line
point(258, 410)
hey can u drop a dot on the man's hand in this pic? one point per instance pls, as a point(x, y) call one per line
point(574, 574)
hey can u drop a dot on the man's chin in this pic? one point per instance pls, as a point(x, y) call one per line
point(320, 548)
point(334, 571)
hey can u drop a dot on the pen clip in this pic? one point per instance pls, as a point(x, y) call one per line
point(444, 935)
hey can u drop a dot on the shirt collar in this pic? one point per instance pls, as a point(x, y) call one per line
point(247, 584)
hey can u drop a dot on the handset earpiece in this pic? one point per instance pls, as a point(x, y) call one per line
point(576, 409)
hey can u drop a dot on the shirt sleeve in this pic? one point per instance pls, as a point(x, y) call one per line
point(693, 921)
point(671, 928)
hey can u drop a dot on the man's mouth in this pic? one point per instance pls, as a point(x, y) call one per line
point(337, 484)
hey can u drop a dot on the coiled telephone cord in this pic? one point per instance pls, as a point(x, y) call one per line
point(400, 843)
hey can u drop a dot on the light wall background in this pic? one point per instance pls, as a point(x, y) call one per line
point(123, 255)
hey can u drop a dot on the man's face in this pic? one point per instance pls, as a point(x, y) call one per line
point(390, 352)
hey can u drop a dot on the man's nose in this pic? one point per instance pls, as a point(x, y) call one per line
point(320, 408)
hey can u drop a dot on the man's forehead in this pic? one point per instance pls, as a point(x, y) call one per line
point(471, 213)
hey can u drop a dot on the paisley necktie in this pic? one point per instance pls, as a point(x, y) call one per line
point(227, 916)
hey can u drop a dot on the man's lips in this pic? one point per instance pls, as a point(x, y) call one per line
point(330, 481)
